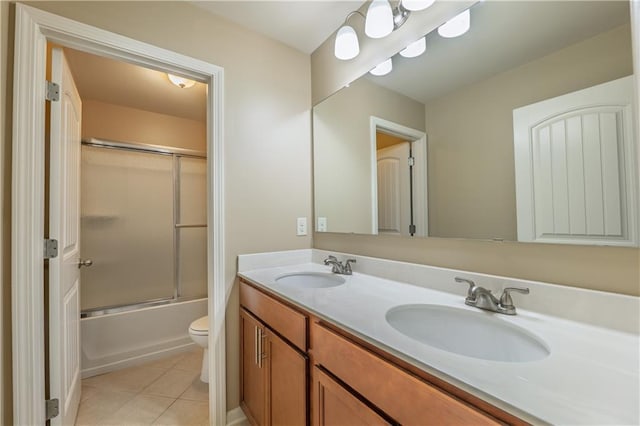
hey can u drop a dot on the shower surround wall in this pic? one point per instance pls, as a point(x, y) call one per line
point(143, 225)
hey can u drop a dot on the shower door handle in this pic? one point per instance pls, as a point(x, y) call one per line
point(86, 263)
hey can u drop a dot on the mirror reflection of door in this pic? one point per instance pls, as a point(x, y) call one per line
point(397, 207)
point(394, 179)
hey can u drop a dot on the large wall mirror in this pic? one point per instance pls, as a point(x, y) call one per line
point(521, 129)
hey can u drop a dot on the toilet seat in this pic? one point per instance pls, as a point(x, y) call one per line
point(200, 327)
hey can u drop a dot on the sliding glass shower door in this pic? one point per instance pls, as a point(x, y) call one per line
point(143, 225)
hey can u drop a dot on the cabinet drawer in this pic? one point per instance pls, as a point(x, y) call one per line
point(336, 406)
point(289, 323)
point(404, 397)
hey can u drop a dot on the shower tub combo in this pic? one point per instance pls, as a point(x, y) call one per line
point(143, 225)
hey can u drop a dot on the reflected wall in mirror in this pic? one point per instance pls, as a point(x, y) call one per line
point(519, 59)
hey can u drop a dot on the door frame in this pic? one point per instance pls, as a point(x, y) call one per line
point(418, 139)
point(33, 29)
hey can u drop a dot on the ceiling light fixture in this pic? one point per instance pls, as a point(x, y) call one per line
point(456, 26)
point(181, 82)
point(416, 48)
point(416, 5)
point(382, 69)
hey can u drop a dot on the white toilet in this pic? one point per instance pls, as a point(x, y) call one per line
point(199, 332)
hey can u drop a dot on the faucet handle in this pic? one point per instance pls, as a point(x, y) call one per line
point(472, 286)
point(505, 300)
point(347, 266)
point(331, 257)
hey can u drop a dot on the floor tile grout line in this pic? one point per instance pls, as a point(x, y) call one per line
point(165, 410)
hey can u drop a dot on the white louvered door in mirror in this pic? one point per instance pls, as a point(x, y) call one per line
point(576, 174)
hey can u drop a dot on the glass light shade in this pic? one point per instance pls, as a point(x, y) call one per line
point(415, 5)
point(456, 26)
point(416, 48)
point(383, 68)
point(346, 46)
point(379, 21)
point(181, 82)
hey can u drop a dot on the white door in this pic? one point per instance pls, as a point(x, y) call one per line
point(394, 196)
point(64, 226)
point(576, 174)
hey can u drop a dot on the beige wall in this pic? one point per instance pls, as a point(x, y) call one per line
point(118, 123)
point(342, 153)
point(478, 137)
point(267, 126)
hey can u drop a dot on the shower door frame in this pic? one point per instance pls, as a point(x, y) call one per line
point(33, 29)
point(176, 155)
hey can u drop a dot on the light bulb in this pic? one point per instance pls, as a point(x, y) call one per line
point(456, 26)
point(346, 46)
point(416, 48)
point(415, 5)
point(379, 21)
point(181, 82)
point(383, 69)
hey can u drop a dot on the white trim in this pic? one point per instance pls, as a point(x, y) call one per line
point(419, 140)
point(635, 51)
point(33, 28)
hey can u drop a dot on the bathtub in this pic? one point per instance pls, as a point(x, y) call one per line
point(119, 340)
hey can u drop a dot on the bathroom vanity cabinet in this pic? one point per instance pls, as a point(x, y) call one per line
point(274, 369)
point(351, 381)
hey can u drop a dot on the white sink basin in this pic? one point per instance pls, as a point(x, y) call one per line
point(473, 334)
point(310, 280)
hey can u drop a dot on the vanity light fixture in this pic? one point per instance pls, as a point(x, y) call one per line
point(456, 26)
point(414, 49)
point(382, 69)
point(381, 20)
point(181, 82)
point(346, 45)
point(416, 5)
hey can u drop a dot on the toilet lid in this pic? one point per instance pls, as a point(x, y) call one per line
point(200, 326)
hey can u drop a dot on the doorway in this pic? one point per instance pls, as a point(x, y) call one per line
point(34, 28)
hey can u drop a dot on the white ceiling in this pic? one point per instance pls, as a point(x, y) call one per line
point(503, 35)
point(107, 80)
point(301, 24)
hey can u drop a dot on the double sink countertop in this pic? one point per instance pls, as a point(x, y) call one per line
point(591, 375)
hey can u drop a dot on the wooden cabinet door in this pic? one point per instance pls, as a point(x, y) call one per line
point(253, 372)
point(287, 383)
point(333, 405)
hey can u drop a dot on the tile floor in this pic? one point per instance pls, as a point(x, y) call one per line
point(163, 392)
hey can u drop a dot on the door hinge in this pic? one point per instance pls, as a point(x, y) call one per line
point(52, 408)
point(412, 162)
point(53, 92)
point(50, 248)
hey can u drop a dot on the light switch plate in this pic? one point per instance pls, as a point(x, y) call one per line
point(301, 228)
point(322, 224)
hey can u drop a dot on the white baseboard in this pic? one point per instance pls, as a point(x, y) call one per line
point(236, 417)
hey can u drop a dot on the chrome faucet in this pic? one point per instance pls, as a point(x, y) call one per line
point(482, 298)
point(337, 267)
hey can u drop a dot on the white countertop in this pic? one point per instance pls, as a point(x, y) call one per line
point(591, 376)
